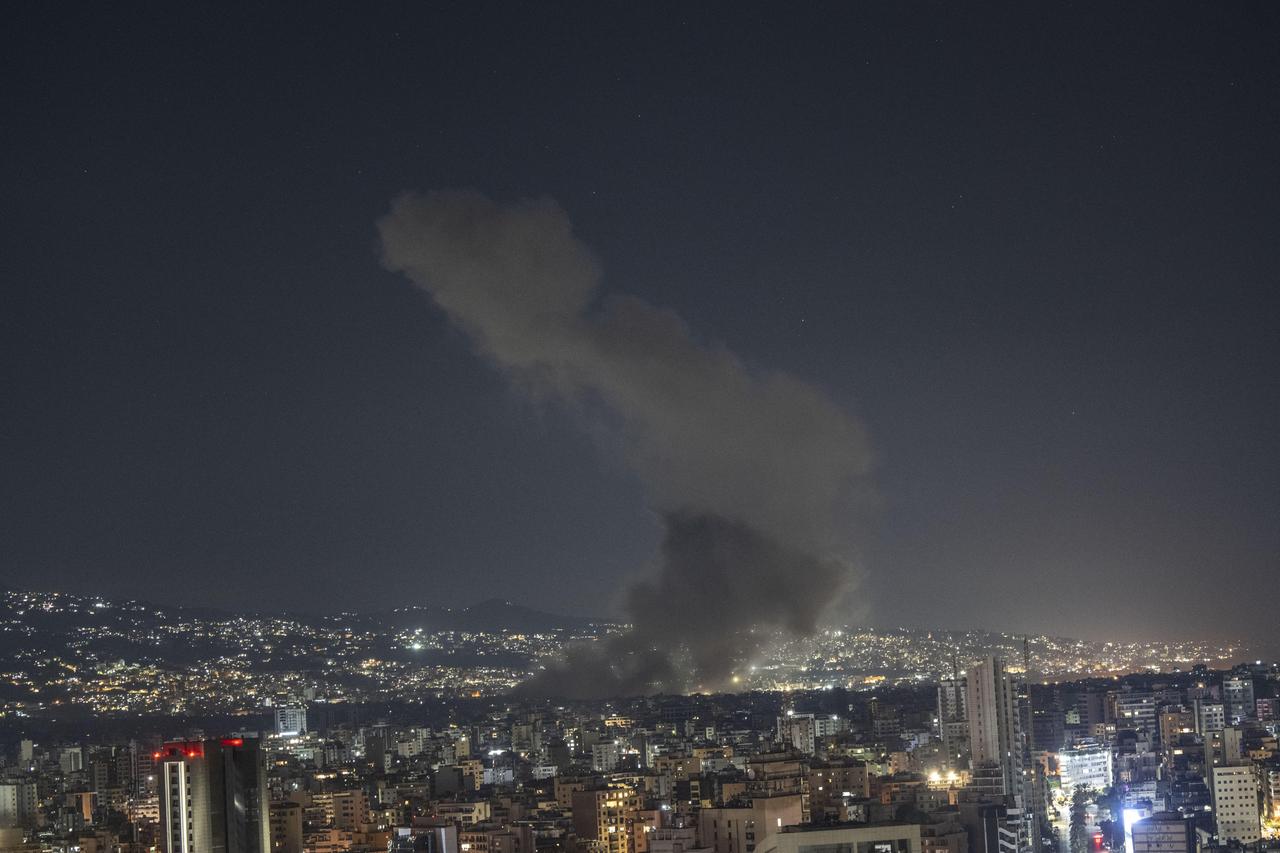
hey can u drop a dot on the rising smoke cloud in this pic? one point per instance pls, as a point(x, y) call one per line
point(747, 468)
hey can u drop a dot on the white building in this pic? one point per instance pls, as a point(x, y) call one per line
point(798, 732)
point(1235, 804)
point(1210, 717)
point(18, 804)
point(995, 737)
point(828, 726)
point(291, 722)
point(1085, 766)
point(605, 756)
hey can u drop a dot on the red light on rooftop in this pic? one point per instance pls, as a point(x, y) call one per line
point(233, 741)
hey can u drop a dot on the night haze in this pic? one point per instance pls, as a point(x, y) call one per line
point(1015, 268)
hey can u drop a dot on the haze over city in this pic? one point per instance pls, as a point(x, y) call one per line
point(1024, 263)
point(507, 427)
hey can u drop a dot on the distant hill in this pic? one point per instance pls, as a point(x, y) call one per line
point(494, 614)
point(64, 611)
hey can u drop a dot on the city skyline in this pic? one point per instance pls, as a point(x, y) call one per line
point(607, 427)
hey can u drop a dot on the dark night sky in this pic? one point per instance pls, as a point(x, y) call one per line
point(1034, 249)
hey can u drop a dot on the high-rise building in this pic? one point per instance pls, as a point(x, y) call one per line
point(798, 732)
point(605, 756)
point(1210, 716)
point(1232, 745)
point(345, 810)
point(1173, 724)
point(291, 721)
point(1237, 699)
point(1091, 708)
point(992, 828)
point(1085, 766)
point(951, 699)
point(1270, 778)
point(1134, 711)
point(995, 737)
point(19, 803)
point(1048, 729)
point(1235, 804)
point(953, 722)
point(213, 797)
point(605, 818)
point(286, 827)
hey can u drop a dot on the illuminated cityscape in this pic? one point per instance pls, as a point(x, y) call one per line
point(640, 427)
point(340, 739)
point(71, 653)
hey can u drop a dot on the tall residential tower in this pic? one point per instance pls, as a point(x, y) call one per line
point(213, 797)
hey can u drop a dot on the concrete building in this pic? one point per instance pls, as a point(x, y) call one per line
point(213, 797)
point(509, 838)
point(798, 732)
point(291, 722)
point(347, 810)
point(953, 722)
point(605, 818)
point(19, 804)
point(1210, 716)
point(852, 838)
point(465, 813)
point(1173, 724)
point(831, 785)
point(1134, 711)
point(1235, 804)
point(1237, 699)
point(773, 774)
point(675, 839)
point(1232, 745)
point(951, 699)
point(992, 828)
point(995, 737)
point(605, 756)
point(1085, 766)
point(286, 827)
point(944, 834)
point(743, 828)
point(441, 838)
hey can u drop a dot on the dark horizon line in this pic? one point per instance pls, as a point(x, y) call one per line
point(1236, 645)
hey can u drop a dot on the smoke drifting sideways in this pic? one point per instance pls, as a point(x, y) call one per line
point(748, 469)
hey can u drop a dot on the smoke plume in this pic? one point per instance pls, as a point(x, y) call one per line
point(746, 467)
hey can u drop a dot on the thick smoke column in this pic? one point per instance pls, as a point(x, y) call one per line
point(747, 468)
